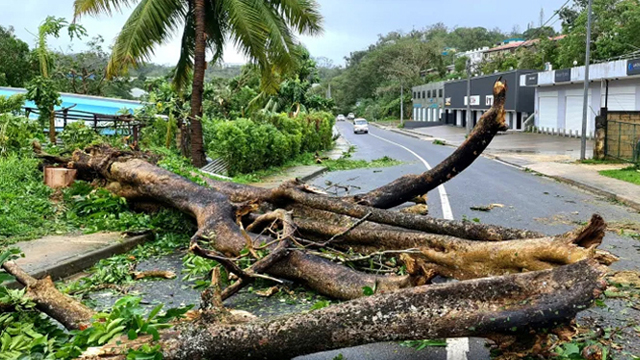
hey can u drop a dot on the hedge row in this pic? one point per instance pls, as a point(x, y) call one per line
point(268, 140)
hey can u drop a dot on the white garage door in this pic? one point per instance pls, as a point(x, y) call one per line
point(573, 113)
point(548, 112)
point(621, 98)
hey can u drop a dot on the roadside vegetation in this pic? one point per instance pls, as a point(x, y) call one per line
point(630, 174)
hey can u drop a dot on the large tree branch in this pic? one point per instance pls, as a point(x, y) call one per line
point(509, 304)
point(465, 259)
point(69, 312)
point(409, 186)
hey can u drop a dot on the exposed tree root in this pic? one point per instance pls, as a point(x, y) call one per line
point(509, 304)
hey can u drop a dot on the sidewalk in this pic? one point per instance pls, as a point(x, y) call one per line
point(62, 256)
point(549, 155)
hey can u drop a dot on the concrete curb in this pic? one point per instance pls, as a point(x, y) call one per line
point(313, 174)
point(415, 135)
point(87, 260)
point(84, 261)
point(597, 191)
point(586, 187)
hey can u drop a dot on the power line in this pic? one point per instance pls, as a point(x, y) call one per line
point(546, 22)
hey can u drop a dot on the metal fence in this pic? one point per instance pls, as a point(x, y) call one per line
point(101, 123)
point(622, 140)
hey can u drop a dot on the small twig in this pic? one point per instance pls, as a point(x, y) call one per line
point(212, 296)
point(154, 273)
point(266, 262)
point(348, 230)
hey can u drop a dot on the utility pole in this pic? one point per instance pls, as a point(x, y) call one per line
point(585, 105)
point(401, 103)
point(469, 124)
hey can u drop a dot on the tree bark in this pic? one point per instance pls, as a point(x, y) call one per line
point(69, 312)
point(505, 305)
point(409, 186)
point(52, 126)
point(198, 156)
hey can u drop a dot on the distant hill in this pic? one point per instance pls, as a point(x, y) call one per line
point(224, 71)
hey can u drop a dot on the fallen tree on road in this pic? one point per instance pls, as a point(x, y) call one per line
point(311, 238)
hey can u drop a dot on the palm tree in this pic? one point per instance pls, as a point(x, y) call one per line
point(263, 30)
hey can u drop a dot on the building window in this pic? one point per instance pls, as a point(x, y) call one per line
point(440, 93)
point(429, 94)
point(414, 95)
point(423, 95)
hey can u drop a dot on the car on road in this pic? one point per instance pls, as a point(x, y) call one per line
point(360, 126)
point(340, 118)
point(351, 116)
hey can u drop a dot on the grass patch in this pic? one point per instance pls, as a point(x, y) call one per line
point(307, 159)
point(349, 164)
point(601, 162)
point(392, 123)
point(630, 174)
point(29, 209)
point(439, 142)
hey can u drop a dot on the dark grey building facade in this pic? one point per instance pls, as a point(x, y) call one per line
point(519, 105)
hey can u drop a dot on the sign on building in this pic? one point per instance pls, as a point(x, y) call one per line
point(532, 79)
point(475, 100)
point(633, 67)
point(562, 75)
point(488, 100)
point(447, 101)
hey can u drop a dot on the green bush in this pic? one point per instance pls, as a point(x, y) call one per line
point(270, 140)
point(77, 135)
point(17, 133)
point(24, 199)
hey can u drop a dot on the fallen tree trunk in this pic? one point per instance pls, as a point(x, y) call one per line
point(465, 259)
point(409, 186)
point(300, 227)
point(510, 304)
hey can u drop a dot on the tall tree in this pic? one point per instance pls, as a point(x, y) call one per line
point(263, 30)
point(15, 67)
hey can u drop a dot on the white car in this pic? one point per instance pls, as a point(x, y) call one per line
point(360, 126)
point(351, 116)
point(341, 118)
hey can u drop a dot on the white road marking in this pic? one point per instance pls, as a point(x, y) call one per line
point(447, 213)
point(458, 348)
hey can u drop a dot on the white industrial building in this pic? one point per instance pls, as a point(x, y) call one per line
point(475, 56)
point(559, 95)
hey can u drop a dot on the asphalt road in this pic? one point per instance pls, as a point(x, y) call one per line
point(530, 201)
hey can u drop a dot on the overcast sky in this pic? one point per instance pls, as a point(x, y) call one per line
point(349, 25)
